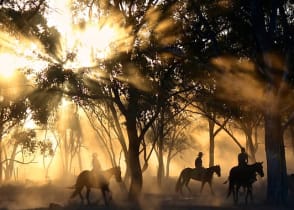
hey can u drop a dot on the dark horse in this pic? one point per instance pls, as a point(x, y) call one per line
point(243, 177)
point(90, 180)
point(191, 173)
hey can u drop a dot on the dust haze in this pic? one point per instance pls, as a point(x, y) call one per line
point(32, 187)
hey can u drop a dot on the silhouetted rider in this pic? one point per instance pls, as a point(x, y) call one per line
point(243, 158)
point(96, 168)
point(198, 165)
point(198, 161)
point(95, 163)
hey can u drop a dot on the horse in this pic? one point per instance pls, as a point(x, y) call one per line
point(90, 179)
point(191, 173)
point(243, 177)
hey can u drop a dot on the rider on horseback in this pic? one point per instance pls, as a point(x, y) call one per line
point(199, 169)
point(243, 163)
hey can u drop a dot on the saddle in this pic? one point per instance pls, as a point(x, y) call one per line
point(242, 170)
point(198, 172)
point(97, 179)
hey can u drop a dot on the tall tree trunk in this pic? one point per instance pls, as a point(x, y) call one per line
point(10, 165)
point(277, 189)
point(160, 172)
point(121, 138)
point(135, 167)
point(211, 142)
point(168, 159)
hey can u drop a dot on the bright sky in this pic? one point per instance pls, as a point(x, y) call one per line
point(89, 43)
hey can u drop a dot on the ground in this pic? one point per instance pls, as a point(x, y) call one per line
point(55, 196)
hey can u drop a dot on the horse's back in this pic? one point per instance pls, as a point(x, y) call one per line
point(83, 178)
point(184, 173)
point(242, 175)
point(186, 170)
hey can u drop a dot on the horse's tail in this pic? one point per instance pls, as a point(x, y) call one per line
point(78, 186)
point(74, 193)
point(179, 182)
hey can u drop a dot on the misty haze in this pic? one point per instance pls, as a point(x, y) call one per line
point(139, 105)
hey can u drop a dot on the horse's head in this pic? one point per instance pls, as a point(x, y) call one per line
point(217, 170)
point(259, 168)
point(117, 174)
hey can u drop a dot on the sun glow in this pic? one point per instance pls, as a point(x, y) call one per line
point(89, 40)
point(8, 65)
point(82, 44)
point(91, 43)
point(18, 52)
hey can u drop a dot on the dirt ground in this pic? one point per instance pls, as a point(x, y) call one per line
point(55, 196)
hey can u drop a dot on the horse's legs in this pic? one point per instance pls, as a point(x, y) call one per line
point(181, 188)
point(235, 193)
point(81, 196)
point(211, 190)
point(251, 196)
point(248, 194)
point(186, 184)
point(107, 196)
point(88, 195)
point(104, 197)
point(181, 183)
point(202, 186)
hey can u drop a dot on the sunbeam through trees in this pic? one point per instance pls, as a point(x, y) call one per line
point(146, 86)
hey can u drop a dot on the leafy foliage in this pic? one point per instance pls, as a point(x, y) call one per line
point(30, 145)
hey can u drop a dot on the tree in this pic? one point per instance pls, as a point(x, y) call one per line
point(249, 43)
point(176, 140)
point(165, 131)
point(12, 112)
point(133, 76)
point(105, 121)
point(278, 89)
point(249, 121)
point(21, 141)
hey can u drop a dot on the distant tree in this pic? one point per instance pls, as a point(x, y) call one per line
point(13, 109)
point(104, 119)
point(249, 121)
point(177, 141)
point(20, 141)
point(166, 129)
